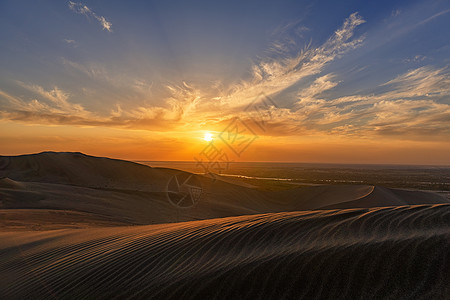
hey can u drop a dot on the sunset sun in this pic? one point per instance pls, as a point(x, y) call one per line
point(208, 137)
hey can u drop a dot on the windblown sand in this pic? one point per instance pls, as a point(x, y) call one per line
point(401, 252)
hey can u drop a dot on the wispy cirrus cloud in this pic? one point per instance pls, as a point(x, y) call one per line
point(49, 107)
point(92, 70)
point(80, 8)
point(70, 42)
point(414, 105)
point(441, 13)
point(320, 84)
point(271, 76)
point(57, 98)
point(53, 107)
point(424, 81)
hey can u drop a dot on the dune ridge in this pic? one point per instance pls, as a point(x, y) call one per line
point(74, 168)
point(389, 253)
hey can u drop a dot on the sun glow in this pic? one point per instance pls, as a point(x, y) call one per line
point(208, 137)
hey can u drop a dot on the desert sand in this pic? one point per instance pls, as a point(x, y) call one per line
point(77, 226)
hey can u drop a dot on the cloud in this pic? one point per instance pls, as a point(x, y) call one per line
point(411, 106)
point(434, 16)
point(319, 85)
point(71, 43)
point(102, 74)
point(416, 59)
point(395, 12)
point(54, 108)
point(287, 38)
point(94, 71)
point(79, 8)
point(422, 81)
point(58, 99)
point(274, 75)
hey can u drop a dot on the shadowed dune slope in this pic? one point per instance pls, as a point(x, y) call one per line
point(379, 253)
point(82, 170)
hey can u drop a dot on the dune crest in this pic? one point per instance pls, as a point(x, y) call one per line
point(8, 183)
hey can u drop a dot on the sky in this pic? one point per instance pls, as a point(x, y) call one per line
point(288, 81)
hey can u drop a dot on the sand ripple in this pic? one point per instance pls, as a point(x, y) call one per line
point(389, 253)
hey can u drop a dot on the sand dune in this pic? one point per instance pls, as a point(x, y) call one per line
point(82, 170)
point(130, 193)
point(379, 253)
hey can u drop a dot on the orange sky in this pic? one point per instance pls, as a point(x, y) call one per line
point(186, 146)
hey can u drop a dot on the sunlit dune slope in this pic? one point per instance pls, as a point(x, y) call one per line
point(389, 253)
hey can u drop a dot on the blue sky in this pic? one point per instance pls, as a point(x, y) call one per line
point(366, 70)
